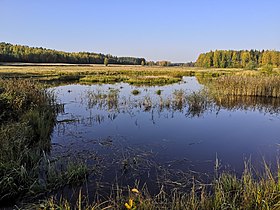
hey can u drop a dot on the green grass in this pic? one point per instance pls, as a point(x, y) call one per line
point(27, 117)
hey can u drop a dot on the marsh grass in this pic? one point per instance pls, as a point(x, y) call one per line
point(242, 85)
point(199, 102)
point(226, 191)
point(28, 114)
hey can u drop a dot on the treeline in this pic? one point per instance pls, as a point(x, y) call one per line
point(20, 53)
point(238, 59)
point(168, 63)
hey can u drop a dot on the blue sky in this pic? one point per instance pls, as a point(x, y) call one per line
point(174, 30)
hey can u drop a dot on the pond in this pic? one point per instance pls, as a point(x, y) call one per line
point(152, 136)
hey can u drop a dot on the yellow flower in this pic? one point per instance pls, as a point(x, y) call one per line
point(129, 204)
point(134, 190)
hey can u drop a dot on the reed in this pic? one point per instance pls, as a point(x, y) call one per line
point(240, 85)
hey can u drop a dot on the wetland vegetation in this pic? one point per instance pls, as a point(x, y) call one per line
point(114, 103)
point(28, 114)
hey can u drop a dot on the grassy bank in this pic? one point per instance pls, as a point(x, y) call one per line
point(226, 191)
point(27, 117)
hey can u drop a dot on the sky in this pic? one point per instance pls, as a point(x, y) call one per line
point(173, 30)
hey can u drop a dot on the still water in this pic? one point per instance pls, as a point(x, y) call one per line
point(151, 138)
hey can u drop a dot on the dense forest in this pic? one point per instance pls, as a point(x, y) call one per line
point(238, 59)
point(20, 53)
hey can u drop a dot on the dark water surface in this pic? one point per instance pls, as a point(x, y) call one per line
point(127, 137)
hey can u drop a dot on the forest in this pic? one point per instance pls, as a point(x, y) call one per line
point(249, 59)
point(20, 53)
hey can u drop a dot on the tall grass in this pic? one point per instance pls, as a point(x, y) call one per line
point(28, 114)
point(244, 85)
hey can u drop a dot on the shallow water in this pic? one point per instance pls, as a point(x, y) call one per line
point(132, 137)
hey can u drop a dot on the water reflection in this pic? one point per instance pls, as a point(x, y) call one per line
point(193, 104)
point(262, 104)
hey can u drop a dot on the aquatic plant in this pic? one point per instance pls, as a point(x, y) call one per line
point(242, 85)
point(135, 92)
point(179, 99)
point(158, 92)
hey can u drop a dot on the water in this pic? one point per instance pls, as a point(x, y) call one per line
point(132, 137)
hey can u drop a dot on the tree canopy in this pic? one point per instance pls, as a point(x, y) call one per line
point(20, 53)
point(238, 59)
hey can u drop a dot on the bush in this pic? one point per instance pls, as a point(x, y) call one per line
point(267, 69)
point(251, 65)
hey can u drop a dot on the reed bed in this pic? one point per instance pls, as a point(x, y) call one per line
point(237, 85)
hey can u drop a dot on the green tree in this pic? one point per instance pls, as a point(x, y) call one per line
point(266, 58)
point(235, 59)
point(267, 69)
point(245, 58)
point(275, 58)
point(252, 65)
point(217, 59)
